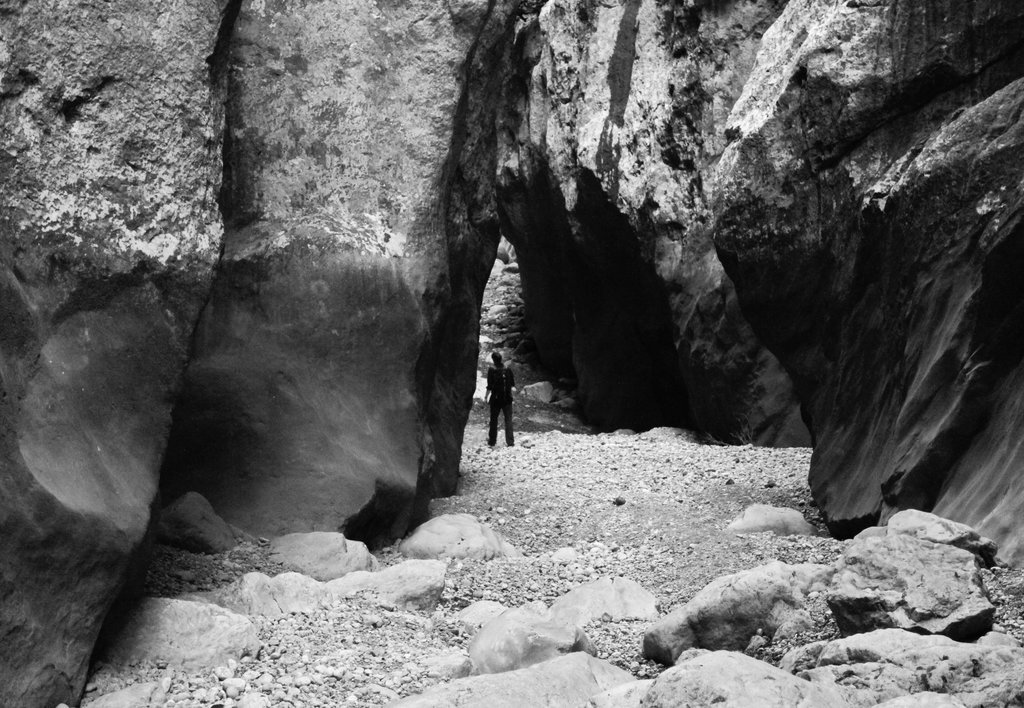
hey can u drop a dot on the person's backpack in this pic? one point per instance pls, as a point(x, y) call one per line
point(500, 382)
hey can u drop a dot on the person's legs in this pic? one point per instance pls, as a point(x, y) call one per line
point(509, 437)
point(492, 431)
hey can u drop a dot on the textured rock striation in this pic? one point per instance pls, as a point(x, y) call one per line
point(110, 162)
point(612, 112)
point(869, 209)
point(333, 366)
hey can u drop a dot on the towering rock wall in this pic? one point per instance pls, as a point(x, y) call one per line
point(869, 209)
point(333, 367)
point(110, 125)
point(612, 116)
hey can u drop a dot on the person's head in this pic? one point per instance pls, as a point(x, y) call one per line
point(496, 358)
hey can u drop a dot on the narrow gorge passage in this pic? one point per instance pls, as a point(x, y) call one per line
point(580, 506)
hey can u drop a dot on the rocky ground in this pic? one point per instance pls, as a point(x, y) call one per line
point(652, 507)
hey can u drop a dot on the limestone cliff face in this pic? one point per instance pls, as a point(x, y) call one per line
point(615, 112)
point(110, 126)
point(869, 210)
point(334, 365)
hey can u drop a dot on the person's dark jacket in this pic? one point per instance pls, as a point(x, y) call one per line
point(500, 381)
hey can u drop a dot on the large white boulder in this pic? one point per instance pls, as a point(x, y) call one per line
point(456, 536)
point(522, 637)
point(189, 522)
point(731, 610)
point(195, 635)
point(937, 529)
point(733, 680)
point(476, 615)
point(888, 663)
point(780, 521)
point(614, 598)
point(902, 581)
point(324, 555)
point(559, 683)
point(412, 584)
point(256, 594)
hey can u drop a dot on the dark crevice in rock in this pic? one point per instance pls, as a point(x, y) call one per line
point(384, 518)
point(71, 108)
point(219, 59)
point(467, 219)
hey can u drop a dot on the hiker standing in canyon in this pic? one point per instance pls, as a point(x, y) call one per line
point(500, 385)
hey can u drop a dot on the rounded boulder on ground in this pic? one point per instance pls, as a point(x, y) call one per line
point(182, 633)
point(778, 520)
point(456, 536)
point(731, 610)
point(725, 678)
point(256, 594)
point(905, 582)
point(936, 529)
point(476, 615)
point(412, 584)
point(190, 523)
point(886, 663)
point(565, 681)
point(615, 598)
point(324, 555)
point(522, 637)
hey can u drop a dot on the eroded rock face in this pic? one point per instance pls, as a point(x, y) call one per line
point(109, 171)
point(727, 612)
point(869, 210)
point(731, 678)
point(615, 109)
point(888, 663)
point(565, 681)
point(359, 237)
point(909, 583)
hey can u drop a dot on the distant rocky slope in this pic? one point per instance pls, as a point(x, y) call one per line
point(869, 209)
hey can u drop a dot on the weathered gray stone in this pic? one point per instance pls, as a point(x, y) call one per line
point(449, 667)
point(142, 695)
point(730, 610)
point(889, 663)
point(190, 522)
point(412, 584)
point(194, 635)
point(628, 695)
point(456, 536)
point(725, 678)
point(522, 637)
point(481, 612)
point(926, 699)
point(616, 598)
point(904, 582)
point(257, 594)
point(939, 530)
point(542, 391)
point(997, 639)
point(566, 681)
point(780, 521)
point(323, 555)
